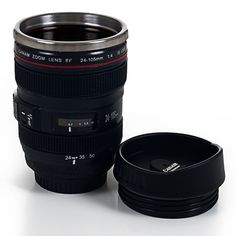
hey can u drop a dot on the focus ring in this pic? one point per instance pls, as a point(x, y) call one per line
point(70, 144)
point(71, 85)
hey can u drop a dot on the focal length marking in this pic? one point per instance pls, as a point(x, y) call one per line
point(74, 159)
point(91, 59)
point(111, 116)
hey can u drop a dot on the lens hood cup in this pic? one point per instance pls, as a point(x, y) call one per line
point(169, 175)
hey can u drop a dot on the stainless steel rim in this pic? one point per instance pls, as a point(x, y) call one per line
point(68, 18)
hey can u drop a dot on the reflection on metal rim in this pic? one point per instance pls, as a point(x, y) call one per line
point(51, 19)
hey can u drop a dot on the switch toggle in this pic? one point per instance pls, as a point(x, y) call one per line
point(26, 117)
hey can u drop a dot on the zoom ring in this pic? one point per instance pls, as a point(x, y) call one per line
point(70, 144)
point(70, 86)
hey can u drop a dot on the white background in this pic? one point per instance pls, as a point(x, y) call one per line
point(181, 78)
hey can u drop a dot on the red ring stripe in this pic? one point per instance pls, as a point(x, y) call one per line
point(70, 67)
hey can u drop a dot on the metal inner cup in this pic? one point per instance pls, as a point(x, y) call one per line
point(70, 32)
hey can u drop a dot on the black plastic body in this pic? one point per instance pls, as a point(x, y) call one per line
point(69, 109)
point(169, 175)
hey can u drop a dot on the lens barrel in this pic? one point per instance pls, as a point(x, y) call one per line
point(70, 69)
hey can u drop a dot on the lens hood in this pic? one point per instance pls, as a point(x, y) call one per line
point(169, 175)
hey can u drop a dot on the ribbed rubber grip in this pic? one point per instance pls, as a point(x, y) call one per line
point(168, 208)
point(70, 144)
point(71, 85)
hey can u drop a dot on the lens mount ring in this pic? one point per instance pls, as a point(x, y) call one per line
point(117, 27)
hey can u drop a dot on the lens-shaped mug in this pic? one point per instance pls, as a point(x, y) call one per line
point(70, 69)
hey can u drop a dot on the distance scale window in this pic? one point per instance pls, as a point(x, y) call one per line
point(76, 124)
